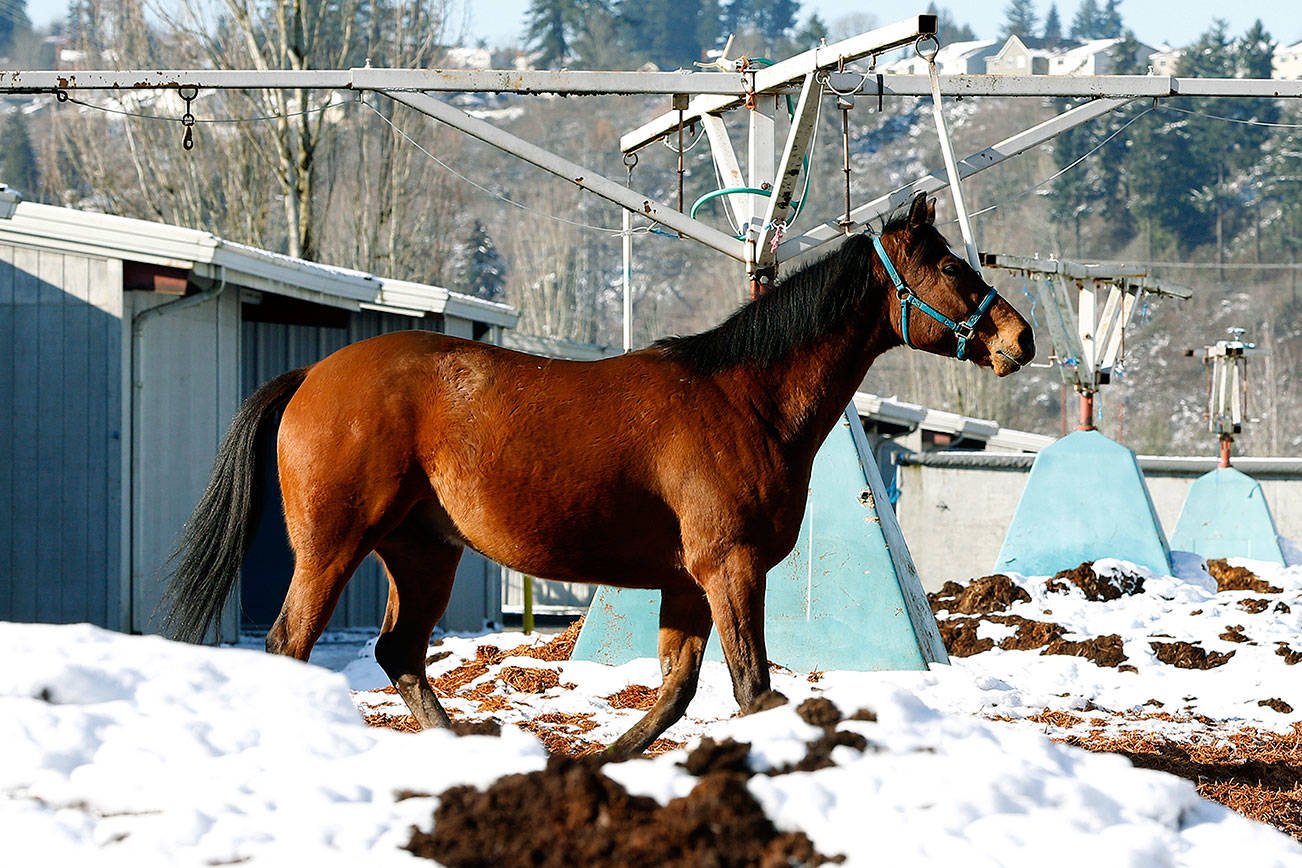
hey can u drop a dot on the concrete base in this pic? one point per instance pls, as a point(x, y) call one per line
point(1085, 499)
point(847, 597)
point(1225, 515)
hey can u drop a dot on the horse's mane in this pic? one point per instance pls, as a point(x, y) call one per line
point(794, 312)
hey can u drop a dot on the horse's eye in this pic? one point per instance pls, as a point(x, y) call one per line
point(951, 269)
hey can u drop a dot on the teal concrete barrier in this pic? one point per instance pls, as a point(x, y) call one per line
point(847, 597)
point(1085, 499)
point(1225, 515)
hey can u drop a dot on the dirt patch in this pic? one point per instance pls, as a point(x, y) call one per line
point(453, 680)
point(1257, 774)
point(718, 756)
point(819, 711)
point(1291, 657)
point(1030, 634)
point(436, 657)
point(1184, 655)
point(980, 597)
point(529, 680)
point(1254, 605)
point(1282, 608)
point(634, 696)
point(1095, 587)
point(1277, 704)
point(571, 814)
point(960, 637)
point(1101, 650)
point(1235, 634)
point(1230, 578)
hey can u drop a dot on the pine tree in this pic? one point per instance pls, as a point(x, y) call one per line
point(812, 32)
point(1109, 21)
point(546, 31)
point(555, 29)
point(17, 158)
point(1020, 19)
point(476, 265)
point(1085, 24)
point(1052, 27)
point(666, 32)
point(948, 30)
point(13, 21)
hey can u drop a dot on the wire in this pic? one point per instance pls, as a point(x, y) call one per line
point(1251, 123)
point(1061, 171)
point(494, 193)
point(114, 111)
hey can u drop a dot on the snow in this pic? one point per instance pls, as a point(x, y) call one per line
point(135, 750)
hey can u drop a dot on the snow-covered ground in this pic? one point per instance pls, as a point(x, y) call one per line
point(134, 750)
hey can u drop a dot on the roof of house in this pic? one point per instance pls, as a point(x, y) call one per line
point(912, 416)
point(211, 257)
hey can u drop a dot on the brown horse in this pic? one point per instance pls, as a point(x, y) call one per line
point(682, 467)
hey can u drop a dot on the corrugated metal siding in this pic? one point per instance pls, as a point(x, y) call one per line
point(186, 390)
point(60, 415)
point(269, 349)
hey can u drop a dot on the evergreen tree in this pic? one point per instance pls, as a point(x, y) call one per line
point(1085, 24)
point(17, 158)
point(555, 29)
point(1020, 19)
point(948, 30)
point(13, 21)
point(812, 32)
point(476, 265)
point(1052, 27)
point(665, 32)
point(1109, 21)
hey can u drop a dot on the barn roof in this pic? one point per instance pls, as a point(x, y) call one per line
point(211, 257)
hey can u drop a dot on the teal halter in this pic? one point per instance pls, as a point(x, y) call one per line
point(962, 330)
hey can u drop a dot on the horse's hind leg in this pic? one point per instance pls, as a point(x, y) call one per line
point(684, 629)
point(313, 593)
point(421, 570)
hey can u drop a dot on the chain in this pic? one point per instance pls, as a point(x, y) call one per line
point(187, 120)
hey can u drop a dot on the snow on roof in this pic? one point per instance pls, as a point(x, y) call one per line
point(114, 237)
point(897, 412)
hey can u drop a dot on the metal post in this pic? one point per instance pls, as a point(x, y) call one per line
point(1086, 411)
point(572, 172)
point(951, 166)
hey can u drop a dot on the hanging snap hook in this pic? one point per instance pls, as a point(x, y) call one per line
point(187, 120)
point(926, 54)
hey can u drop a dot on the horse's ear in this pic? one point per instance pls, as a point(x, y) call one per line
point(923, 211)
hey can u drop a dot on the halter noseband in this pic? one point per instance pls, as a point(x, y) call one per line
point(962, 330)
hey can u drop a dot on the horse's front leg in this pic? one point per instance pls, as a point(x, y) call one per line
point(735, 590)
point(684, 628)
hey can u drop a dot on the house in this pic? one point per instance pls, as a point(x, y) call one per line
point(1287, 62)
point(957, 58)
point(1097, 57)
point(130, 345)
point(1164, 60)
point(1020, 56)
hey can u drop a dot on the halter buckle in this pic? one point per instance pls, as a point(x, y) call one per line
point(964, 331)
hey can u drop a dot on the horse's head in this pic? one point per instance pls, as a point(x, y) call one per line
point(941, 304)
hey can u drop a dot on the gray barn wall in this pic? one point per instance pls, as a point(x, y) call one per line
point(954, 519)
point(269, 349)
point(185, 392)
point(60, 446)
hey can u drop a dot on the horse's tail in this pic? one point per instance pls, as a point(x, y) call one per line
point(217, 536)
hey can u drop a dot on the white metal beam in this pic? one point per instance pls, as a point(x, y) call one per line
point(574, 173)
point(759, 154)
point(980, 161)
point(580, 82)
point(787, 71)
point(725, 158)
point(798, 139)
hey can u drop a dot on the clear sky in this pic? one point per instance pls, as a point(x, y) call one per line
point(1174, 21)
